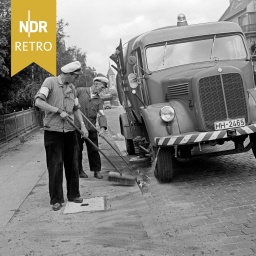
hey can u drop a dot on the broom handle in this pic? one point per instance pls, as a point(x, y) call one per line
point(70, 122)
point(105, 138)
point(109, 143)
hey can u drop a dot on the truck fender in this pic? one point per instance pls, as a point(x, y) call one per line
point(157, 128)
point(252, 103)
point(184, 117)
point(124, 126)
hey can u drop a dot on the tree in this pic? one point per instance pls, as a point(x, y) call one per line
point(23, 98)
point(5, 39)
point(8, 84)
point(88, 75)
point(5, 17)
point(18, 91)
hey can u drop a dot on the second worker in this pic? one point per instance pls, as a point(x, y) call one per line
point(91, 107)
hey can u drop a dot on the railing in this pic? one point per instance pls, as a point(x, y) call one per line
point(17, 123)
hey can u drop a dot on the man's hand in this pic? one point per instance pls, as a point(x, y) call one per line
point(84, 131)
point(64, 115)
point(102, 132)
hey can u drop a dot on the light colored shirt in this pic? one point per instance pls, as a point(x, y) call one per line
point(90, 107)
point(59, 95)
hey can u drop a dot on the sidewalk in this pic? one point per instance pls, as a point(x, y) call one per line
point(29, 226)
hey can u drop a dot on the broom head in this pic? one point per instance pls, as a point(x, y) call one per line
point(124, 179)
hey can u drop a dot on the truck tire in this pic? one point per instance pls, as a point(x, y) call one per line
point(129, 147)
point(165, 165)
point(254, 149)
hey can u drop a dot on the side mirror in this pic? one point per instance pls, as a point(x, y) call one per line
point(132, 60)
point(132, 78)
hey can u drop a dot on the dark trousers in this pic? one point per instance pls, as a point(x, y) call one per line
point(93, 153)
point(61, 148)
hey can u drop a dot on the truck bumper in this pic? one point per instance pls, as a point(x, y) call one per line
point(197, 137)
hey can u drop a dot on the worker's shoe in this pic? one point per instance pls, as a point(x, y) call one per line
point(78, 200)
point(82, 174)
point(56, 206)
point(98, 175)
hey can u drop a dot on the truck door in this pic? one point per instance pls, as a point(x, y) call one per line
point(142, 89)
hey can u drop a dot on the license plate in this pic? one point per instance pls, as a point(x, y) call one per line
point(229, 124)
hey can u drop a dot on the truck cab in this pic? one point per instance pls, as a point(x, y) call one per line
point(186, 87)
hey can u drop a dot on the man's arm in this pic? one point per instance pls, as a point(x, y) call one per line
point(45, 106)
point(41, 98)
point(102, 120)
point(40, 103)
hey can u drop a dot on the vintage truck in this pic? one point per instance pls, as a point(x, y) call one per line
point(187, 87)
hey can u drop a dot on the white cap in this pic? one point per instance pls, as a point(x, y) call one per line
point(101, 79)
point(72, 67)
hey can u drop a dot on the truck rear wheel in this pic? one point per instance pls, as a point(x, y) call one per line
point(129, 147)
point(165, 165)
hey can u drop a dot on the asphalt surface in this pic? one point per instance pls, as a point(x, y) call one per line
point(208, 209)
point(29, 226)
point(210, 206)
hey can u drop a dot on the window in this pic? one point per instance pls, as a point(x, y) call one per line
point(170, 54)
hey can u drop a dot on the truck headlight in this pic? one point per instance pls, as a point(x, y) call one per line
point(167, 113)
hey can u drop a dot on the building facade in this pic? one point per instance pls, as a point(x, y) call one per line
point(243, 12)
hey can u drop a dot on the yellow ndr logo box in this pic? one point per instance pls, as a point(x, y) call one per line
point(33, 31)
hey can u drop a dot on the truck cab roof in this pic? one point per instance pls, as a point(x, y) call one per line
point(178, 32)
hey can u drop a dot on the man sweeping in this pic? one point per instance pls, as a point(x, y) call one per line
point(91, 105)
point(57, 97)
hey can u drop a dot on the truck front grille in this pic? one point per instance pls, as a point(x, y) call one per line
point(214, 91)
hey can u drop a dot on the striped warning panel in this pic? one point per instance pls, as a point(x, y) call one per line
point(202, 136)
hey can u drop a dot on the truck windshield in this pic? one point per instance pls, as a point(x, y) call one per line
point(167, 54)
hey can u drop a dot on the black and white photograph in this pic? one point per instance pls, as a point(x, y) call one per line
point(128, 128)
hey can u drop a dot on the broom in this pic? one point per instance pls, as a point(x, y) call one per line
point(115, 176)
point(112, 176)
point(109, 143)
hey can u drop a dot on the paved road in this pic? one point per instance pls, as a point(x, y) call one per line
point(21, 167)
point(113, 119)
point(209, 208)
point(29, 227)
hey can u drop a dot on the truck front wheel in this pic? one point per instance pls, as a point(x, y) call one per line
point(254, 149)
point(253, 139)
point(165, 165)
